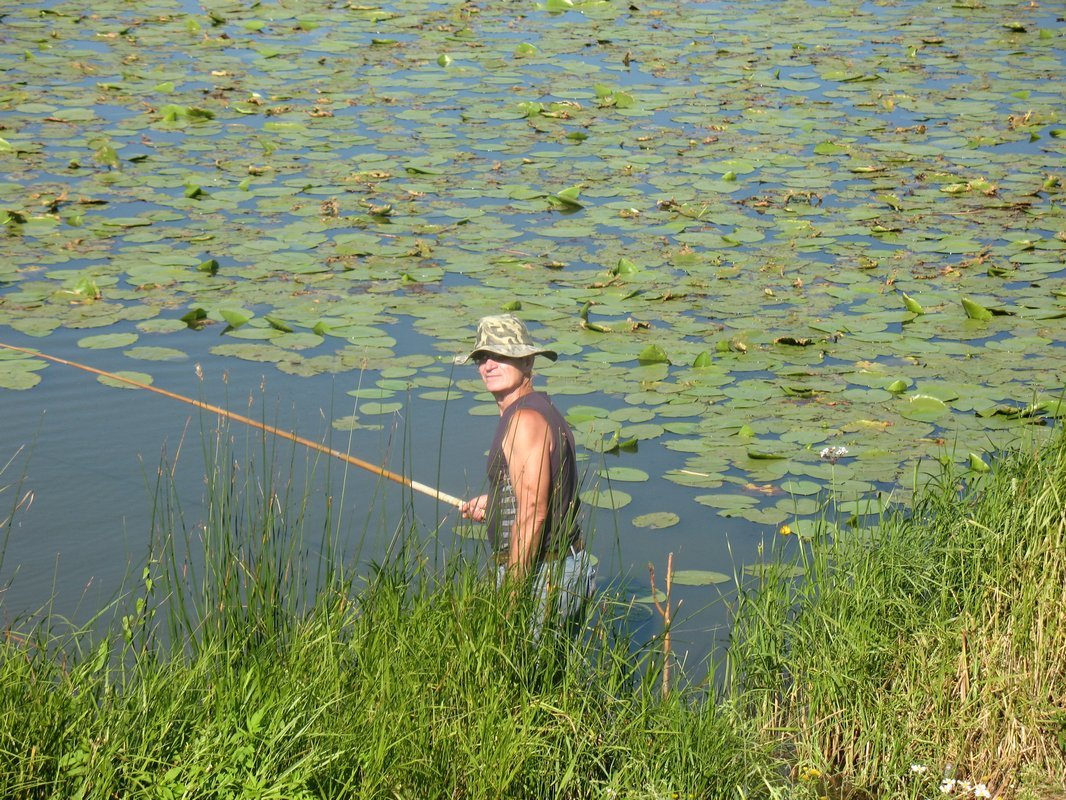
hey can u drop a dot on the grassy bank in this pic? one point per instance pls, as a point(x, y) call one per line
point(248, 663)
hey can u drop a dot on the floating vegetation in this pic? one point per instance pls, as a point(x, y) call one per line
point(723, 226)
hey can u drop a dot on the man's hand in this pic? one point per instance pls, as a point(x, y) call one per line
point(475, 508)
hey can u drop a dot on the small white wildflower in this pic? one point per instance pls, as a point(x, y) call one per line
point(980, 790)
point(947, 786)
point(919, 769)
point(832, 454)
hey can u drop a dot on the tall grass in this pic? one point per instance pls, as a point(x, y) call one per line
point(250, 662)
point(253, 661)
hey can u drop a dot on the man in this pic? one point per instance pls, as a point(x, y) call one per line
point(532, 502)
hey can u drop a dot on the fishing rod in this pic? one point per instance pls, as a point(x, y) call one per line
point(283, 434)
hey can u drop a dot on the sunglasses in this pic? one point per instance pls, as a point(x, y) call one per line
point(481, 358)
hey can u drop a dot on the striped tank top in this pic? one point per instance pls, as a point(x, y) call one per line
point(561, 527)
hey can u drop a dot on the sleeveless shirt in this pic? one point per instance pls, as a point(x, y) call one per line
point(561, 529)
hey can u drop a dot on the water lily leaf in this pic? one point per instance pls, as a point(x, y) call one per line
point(924, 407)
point(210, 266)
point(897, 386)
point(911, 304)
point(800, 487)
point(161, 326)
point(19, 374)
point(373, 392)
point(525, 50)
point(699, 577)
point(975, 310)
point(353, 423)
point(727, 501)
point(803, 506)
point(155, 353)
point(373, 408)
point(177, 113)
point(644, 431)
point(703, 360)
point(85, 289)
point(138, 377)
point(656, 520)
point(531, 108)
point(650, 599)
point(653, 354)
point(629, 474)
point(977, 464)
point(106, 155)
point(234, 317)
point(568, 197)
point(277, 324)
point(765, 455)
point(604, 497)
point(106, 341)
point(579, 413)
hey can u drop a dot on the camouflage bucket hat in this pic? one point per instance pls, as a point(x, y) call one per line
point(505, 335)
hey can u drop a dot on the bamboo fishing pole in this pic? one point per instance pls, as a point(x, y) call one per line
point(283, 434)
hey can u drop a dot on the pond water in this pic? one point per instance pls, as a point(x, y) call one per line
point(753, 231)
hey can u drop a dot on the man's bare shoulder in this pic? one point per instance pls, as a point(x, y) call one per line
point(527, 424)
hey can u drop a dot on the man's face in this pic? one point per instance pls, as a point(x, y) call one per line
point(502, 373)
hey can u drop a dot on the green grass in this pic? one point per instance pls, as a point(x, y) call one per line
point(251, 662)
point(936, 640)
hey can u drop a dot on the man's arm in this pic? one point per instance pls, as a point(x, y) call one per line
point(527, 445)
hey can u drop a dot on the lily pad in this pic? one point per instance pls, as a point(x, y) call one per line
point(603, 497)
point(699, 577)
point(156, 353)
point(20, 374)
point(373, 408)
point(105, 341)
point(657, 519)
point(628, 474)
point(924, 408)
point(658, 597)
point(137, 377)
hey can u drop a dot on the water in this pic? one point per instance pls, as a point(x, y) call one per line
point(711, 84)
point(90, 459)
